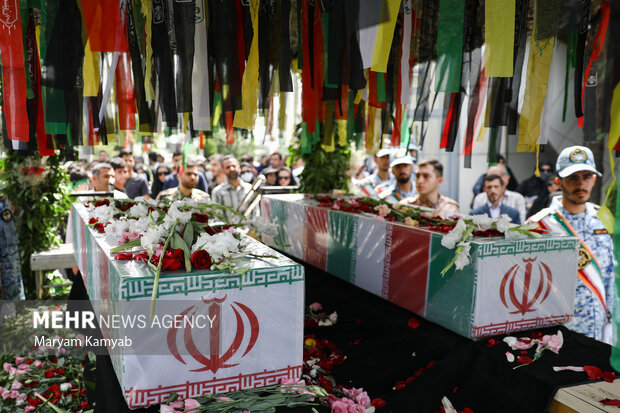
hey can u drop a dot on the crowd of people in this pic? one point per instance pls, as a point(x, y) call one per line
point(129, 176)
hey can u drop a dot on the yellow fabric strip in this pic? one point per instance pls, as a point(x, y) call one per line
point(385, 34)
point(373, 132)
point(282, 112)
point(90, 71)
point(535, 90)
point(358, 95)
point(245, 117)
point(147, 11)
point(499, 33)
point(342, 132)
point(481, 134)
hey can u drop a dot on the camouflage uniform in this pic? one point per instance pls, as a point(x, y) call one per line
point(11, 285)
point(174, 194)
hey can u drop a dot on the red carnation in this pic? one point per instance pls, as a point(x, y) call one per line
point(378, 403)
point(173, 260)
point(102, 202)
point(201, 259)
point(202, 218)
point(124, 256)
point(99, 228)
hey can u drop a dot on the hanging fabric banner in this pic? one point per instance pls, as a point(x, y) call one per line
point(245, 117)
point(385, 34)
point(184, 27)
point(162, 56)
point(449, 46)
point(14, 87)
point(519, 52)
point(405, 53)
point(309, 91)
point(535, 89)
point(104, 25)
point(90, 71)
point(147, 12)
point(201, 113)
point(474, 103)
point(144, 114)
point(369, 10)
point(284, 69)
point(584, 27)
point(125, 94)
point(357, 81)
point(499, 31)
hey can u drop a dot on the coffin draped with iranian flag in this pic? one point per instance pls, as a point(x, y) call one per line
point(256, 341)
point(508, 286)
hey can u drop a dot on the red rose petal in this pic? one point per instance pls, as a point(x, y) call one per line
point(609, 376)
point(491, 342)
point(610, 402)
point(466, 410)
point(378, 403)
point(524, 360)
point(413, 323)
point(593, 372)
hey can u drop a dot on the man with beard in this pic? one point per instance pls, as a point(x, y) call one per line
point(188, 179)
point(135, 185)
point(509, 198)
point(494, 187)
point(402, 168)
point(231, 193)
point(572, 214)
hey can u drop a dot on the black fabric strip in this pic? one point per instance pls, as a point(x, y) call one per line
point(284, 72)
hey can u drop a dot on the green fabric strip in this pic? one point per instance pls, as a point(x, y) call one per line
point(380, 87)
point(492, 152)
point(449, 45)
point(54, 111)
point(405, 136)
point(325, 27)
point(342, 245)
point(306, 140)
point(571, 58)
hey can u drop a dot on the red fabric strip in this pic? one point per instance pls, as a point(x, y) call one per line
point(202, 140)
point(319, 65)
point(14, 74)
point(125, 94)
point(240, 38)
point(308, 93)
point(446, 125)
point(104, 25)
point(599, 39)
point(91, 129)
point(230, 130)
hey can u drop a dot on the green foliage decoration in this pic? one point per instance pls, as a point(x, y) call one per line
point(37, 188)
point(324, 171)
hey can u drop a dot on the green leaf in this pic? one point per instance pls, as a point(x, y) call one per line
point(188, 234)
point(127, 245)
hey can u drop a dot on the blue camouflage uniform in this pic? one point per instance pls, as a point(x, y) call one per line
point(11, 285)
point(590, 316)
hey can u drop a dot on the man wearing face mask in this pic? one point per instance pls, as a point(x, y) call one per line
point(572, 214)
point(534, 187)
point(246, 172)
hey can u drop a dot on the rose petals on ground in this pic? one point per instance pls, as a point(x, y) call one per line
point(413, 323)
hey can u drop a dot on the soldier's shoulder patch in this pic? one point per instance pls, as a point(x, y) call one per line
point(600, 231)
point(7, 215)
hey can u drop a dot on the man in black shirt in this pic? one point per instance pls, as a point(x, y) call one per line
point(136, 185)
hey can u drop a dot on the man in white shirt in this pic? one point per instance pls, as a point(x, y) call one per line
point(231, 193)
point(509, 198)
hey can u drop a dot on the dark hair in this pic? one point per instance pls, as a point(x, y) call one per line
point(177, 154)
point(501, 158)
point(490, 178)
point(242, 164)
point(117, 163)
point(247, 158)
point(437, 166)
point(158, 186)
point(276, 153)
point(153, 156)
point(125, 152)
point(78, 174)
point(139, 166)
point(287, 169)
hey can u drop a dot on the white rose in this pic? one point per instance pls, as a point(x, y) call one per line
point(453, 237)
point(138, 210)
point(503, 223)
point(483, 221)
point(463, 258)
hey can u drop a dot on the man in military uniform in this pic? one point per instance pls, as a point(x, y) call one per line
point(572, 214)
point(11, 285)
point(188, 179)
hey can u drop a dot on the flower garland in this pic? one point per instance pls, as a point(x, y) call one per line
point(458, 230)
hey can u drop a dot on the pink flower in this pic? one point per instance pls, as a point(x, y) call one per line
point(7, 367)
point(519, 343)
point(37, 363)
point(223, 399)
point(16, 385)
point(339, 407)
point(191, 405)
point(19, 360)
point(553, 342)
point(356, 408)
point(177, 404)
point(6, 394)
point(363, 399)
point(316, 307)
point(29, 408)
point(166, 409)
point(383, 210)
point(14, 394)
point(24, 367)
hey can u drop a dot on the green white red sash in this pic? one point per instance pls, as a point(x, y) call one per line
point(591, 274)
